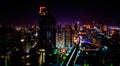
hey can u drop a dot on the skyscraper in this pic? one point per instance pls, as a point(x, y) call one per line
point(47, 32)
point(60, 37)
point(78, 26)
point(68, 36)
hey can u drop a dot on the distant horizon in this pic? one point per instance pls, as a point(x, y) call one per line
point(81, 24)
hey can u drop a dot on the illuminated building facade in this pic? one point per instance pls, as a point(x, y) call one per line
point(78, 26)
point(47, 33)
point(68, 36)
point(60, 37)
point(63, 36)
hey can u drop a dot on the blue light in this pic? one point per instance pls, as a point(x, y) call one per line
point(27, 51)
point(104, 48)
point(8, 53)
point(86, 40)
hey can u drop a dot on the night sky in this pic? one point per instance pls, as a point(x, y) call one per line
point(64, 11)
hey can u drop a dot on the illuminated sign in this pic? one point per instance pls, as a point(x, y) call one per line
point(41, 9)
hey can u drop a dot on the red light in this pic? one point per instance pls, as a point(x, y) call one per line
point(112, 31)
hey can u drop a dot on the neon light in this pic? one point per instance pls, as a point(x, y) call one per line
point(41, 8)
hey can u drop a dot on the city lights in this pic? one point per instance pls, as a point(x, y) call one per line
point(22, 40)
point(59, 33)
point(27, 56)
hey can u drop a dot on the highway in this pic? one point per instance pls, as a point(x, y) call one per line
point(72, 56)
point(86, 57)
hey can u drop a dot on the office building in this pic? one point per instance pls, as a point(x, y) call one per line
point(47, 33)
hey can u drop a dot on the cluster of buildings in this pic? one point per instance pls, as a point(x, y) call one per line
point(42, 40)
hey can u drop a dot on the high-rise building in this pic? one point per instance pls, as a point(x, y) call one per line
point(47, 33)
point(68, 36)
point(60, 37)
point(77, 26)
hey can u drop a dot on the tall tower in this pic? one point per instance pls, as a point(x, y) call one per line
point(78, 26)
point(47, 33)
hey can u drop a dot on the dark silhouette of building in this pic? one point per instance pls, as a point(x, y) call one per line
point(47, 33)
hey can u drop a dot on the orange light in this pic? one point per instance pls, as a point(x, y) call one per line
point(74, 38)
point(41, 8)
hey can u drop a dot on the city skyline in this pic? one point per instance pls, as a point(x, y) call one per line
point(59, 33)
point(65, 12)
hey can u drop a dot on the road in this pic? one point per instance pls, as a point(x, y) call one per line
point(87, 57)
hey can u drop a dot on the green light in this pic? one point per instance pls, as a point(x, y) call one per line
point(85, 65)
point(5, 62)
point(111, 64)
point(64, 57)
point(55, 51)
